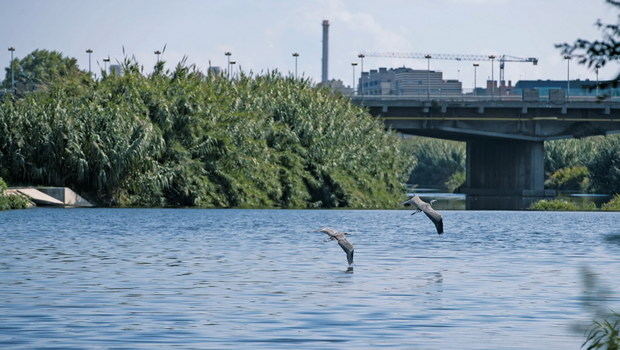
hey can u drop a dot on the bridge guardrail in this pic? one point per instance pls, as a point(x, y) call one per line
point(466, 98)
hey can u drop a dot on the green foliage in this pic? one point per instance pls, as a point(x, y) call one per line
point(575, 178)
point(600, 154)
point(456, 180)
point(179, 138)
point(435, 160)
point(569, 153)
point(613, 204)
point(11, 201)
point(604, 334)
point(42, 68)
point(605, 166)
point(561, 205)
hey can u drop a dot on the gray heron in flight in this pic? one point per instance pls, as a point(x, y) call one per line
point(427, 209)
point(342, 242)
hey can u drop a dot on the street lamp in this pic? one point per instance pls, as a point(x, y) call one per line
point(596, 69)
point(353, 64)
point(232, 63)
point(227, 53)
point(428, 76)
point(89, 52)
point(157, 53)
point(476, 65)
point(567, 58)
point(295, 56)
point(361, 57)
point(12, 50)
point(492, 57)
point(105, 64)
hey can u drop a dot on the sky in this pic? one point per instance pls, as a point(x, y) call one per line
point(262, 35)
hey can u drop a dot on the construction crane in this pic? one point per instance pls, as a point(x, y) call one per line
point(455, 57)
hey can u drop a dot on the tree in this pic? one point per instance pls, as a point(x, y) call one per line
point(597, 53)
point(41, 68)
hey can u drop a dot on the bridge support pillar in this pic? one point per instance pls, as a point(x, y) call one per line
point(504, 174)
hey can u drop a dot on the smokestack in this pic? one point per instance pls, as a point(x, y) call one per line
point(324, 60)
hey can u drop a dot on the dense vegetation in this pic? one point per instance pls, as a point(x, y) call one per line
point(590, 165)
point(438, 163)
point(11, 201)
point(179, 138)
point(562, 205)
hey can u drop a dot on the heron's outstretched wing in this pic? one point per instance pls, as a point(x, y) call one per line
point(348, 248)
point(342, 242)
point(429, 212)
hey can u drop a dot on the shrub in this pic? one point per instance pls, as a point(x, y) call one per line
point(613, 204)
point(554, 204)
point(12, 201)
point(605, 166)
point(456, 181)
point(435, 160)
point(180, 138)
point(575, 178)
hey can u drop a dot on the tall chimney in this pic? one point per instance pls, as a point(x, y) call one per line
point(324, 60)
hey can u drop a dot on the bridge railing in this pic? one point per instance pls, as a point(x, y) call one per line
point(486, 98)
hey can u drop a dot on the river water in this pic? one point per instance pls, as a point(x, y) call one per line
point(250, 279)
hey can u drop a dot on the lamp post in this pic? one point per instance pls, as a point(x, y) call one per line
point(105, 64)
point(428, 76)
point(89, 52)
point(492, 58)
point(12, 50)
point(353, 64)
point(157, 53)
point(567, 58)
point(295, 56)
point(596, 69)
point(232, 63)
point(227, 53)
point(361, 57)
point(476, 65)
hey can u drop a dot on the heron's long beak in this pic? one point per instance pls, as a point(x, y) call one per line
point(407, 202)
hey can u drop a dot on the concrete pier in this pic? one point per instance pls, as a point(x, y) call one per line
point(505, 174)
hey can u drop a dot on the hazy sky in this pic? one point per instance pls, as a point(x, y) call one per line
point(263, 34)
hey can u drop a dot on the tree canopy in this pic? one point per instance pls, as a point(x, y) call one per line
point(41, 68)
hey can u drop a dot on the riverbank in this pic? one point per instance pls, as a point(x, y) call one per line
point(179, 138)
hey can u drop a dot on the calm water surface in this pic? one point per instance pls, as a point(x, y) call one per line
point(230, 279)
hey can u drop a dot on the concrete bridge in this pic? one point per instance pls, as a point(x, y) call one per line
point(504, 136)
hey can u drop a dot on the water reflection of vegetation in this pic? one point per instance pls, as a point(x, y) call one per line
point(179, 138)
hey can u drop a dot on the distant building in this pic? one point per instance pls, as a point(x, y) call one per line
point(492, 88)
point(577, 87)
point(338, 85)
point(406, 81)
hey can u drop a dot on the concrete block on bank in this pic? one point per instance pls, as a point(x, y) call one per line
point(66, 195)
point(39, 197)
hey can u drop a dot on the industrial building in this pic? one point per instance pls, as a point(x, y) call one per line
point(577, 87)
point(407, 81)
